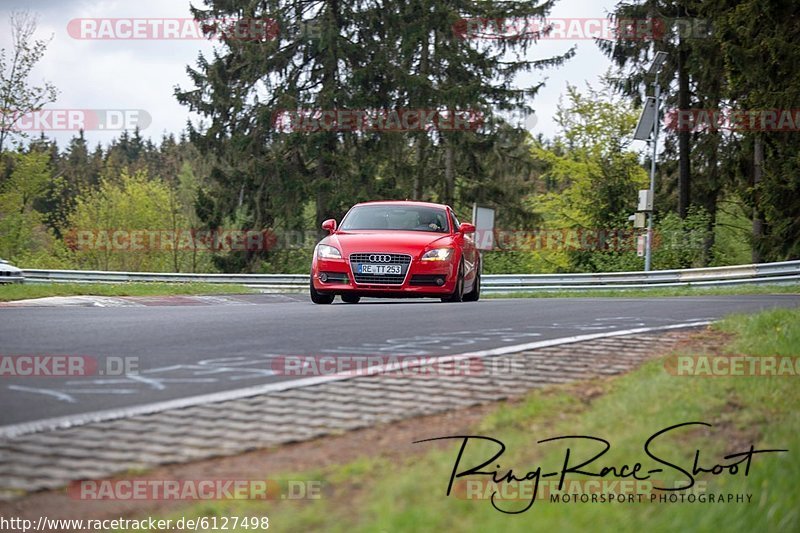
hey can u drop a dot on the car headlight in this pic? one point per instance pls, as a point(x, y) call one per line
point(328, 252)
point(437, 254)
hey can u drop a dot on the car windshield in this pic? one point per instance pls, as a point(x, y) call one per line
point(396, 217)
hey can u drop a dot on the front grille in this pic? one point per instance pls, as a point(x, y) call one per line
point(380, 279)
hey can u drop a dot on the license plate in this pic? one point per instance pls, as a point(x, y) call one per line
point(369, 268)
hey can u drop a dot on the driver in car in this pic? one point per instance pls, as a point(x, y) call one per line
point(428, 221)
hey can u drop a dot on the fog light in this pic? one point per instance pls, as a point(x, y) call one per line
point(323, 277)
point(440, 281)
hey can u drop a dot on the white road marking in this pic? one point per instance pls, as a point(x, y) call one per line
point(59, 395)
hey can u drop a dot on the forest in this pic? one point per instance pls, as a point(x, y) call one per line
point(727, 189)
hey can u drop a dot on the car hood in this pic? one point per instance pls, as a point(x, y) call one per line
point(407, 242)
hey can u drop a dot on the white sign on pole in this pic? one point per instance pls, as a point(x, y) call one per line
point(645, 200)
point(483, 218)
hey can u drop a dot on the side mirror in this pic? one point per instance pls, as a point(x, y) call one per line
point(329, 225)
point(466, 227)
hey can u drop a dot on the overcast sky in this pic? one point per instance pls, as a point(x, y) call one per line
point(142, 74)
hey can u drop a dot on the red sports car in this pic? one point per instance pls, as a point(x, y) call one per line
point(396, 249)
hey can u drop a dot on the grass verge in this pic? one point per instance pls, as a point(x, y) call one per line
point(23, 291)
point(373, 494)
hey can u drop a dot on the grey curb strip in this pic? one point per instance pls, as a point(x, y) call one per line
point(64, 422)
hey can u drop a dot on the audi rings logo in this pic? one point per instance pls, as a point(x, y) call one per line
point(380, 258)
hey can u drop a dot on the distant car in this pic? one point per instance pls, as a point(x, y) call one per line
point(396, 249)
point(9, 273)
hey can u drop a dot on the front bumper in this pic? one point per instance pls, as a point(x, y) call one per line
point(422, 278)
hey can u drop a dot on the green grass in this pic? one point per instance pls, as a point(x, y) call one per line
point(776, 332)
point(10, 292)
point(23, 291)
point(654, 292)
point(372, 494)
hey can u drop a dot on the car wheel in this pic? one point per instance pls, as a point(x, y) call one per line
point(350, 298)
point(318, 297)
point(475, 293)
point(458, 292)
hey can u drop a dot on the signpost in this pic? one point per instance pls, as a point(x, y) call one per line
point(647, 130)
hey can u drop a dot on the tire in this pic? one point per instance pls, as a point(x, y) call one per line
point(318, 297)
point(475, 293)
point(458, 292)
point(350, 298)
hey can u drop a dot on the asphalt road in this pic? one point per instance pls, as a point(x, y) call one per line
point(182, 351)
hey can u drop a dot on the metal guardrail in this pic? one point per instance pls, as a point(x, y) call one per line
point(273, 282)
point(777, 273)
